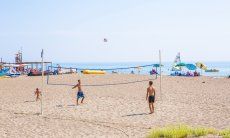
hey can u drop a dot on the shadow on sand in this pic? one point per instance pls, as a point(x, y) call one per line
point(62, 106)
point(29, 101)
point(131, 115)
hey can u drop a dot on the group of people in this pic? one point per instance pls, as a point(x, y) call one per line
point(150, 95)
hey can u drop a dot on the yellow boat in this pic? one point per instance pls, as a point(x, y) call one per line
point(93, 72)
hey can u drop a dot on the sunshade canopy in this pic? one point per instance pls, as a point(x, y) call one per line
point(157, 65)
point(180, 65)
point(191, 66)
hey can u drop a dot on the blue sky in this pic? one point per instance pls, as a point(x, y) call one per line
point(73, 30)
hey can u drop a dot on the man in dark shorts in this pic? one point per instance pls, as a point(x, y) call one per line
point(80, 93)
point(150, 97)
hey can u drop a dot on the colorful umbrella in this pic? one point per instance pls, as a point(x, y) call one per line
point(157, 65)
point(180, 65)
point(190, 66)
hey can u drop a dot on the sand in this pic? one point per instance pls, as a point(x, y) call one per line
point(110, 111)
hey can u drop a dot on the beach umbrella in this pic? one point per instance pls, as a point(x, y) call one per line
point(191, 66)
point(201, 66)
point(157, 65)
point(180, 65)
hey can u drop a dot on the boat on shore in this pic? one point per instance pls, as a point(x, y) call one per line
point(37, 73)
point(3, 72)
point(205, 68)
point(212, 70)
point(93, 72)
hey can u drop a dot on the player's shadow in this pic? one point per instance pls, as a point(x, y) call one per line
point(21, 113)
point(71, 105)
point(29, 101)
point(68, 106)
point(131, 115)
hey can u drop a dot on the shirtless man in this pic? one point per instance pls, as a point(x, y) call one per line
point(150, 96)
point(80, 93)
point(37, 94)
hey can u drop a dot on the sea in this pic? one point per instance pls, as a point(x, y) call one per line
point(223, 67)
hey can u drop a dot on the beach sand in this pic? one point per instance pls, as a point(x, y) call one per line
point(110, 111)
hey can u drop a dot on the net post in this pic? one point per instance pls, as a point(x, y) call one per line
point(156, 72)
point(42, 58)
point(47, 78)
point(160, 75)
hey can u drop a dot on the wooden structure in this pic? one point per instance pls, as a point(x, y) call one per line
point(18, 57)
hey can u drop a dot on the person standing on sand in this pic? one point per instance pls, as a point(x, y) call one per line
point(150, 96)
point(80, 93)
point(37, 94)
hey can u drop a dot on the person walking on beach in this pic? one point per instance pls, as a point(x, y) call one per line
point(37, 94)
point(80, 93)
point(150, 96)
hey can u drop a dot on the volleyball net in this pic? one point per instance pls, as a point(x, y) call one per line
point(151, 70)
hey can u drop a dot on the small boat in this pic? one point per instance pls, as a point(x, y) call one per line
point(114, 72)
point(93, 72)
point(12, 72)
point(212, 70)
point(3, 72)
point(37, 73)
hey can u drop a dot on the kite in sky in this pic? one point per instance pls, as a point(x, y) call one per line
point(105, 40)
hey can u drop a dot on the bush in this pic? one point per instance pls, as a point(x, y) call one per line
point(180, 131)
point(183, 131)
point(225, 133)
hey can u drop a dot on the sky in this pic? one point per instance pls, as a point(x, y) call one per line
point(73, 30)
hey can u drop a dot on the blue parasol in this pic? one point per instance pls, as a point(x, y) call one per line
point(191, 66)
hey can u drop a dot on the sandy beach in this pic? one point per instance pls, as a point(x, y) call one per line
point(110, 111)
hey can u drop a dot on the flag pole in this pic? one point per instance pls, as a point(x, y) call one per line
point(42, 57)
point(160, 75)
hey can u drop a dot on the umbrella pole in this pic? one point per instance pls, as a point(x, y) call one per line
point(160, 75)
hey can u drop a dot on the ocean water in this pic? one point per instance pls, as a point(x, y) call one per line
point(223, 67)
